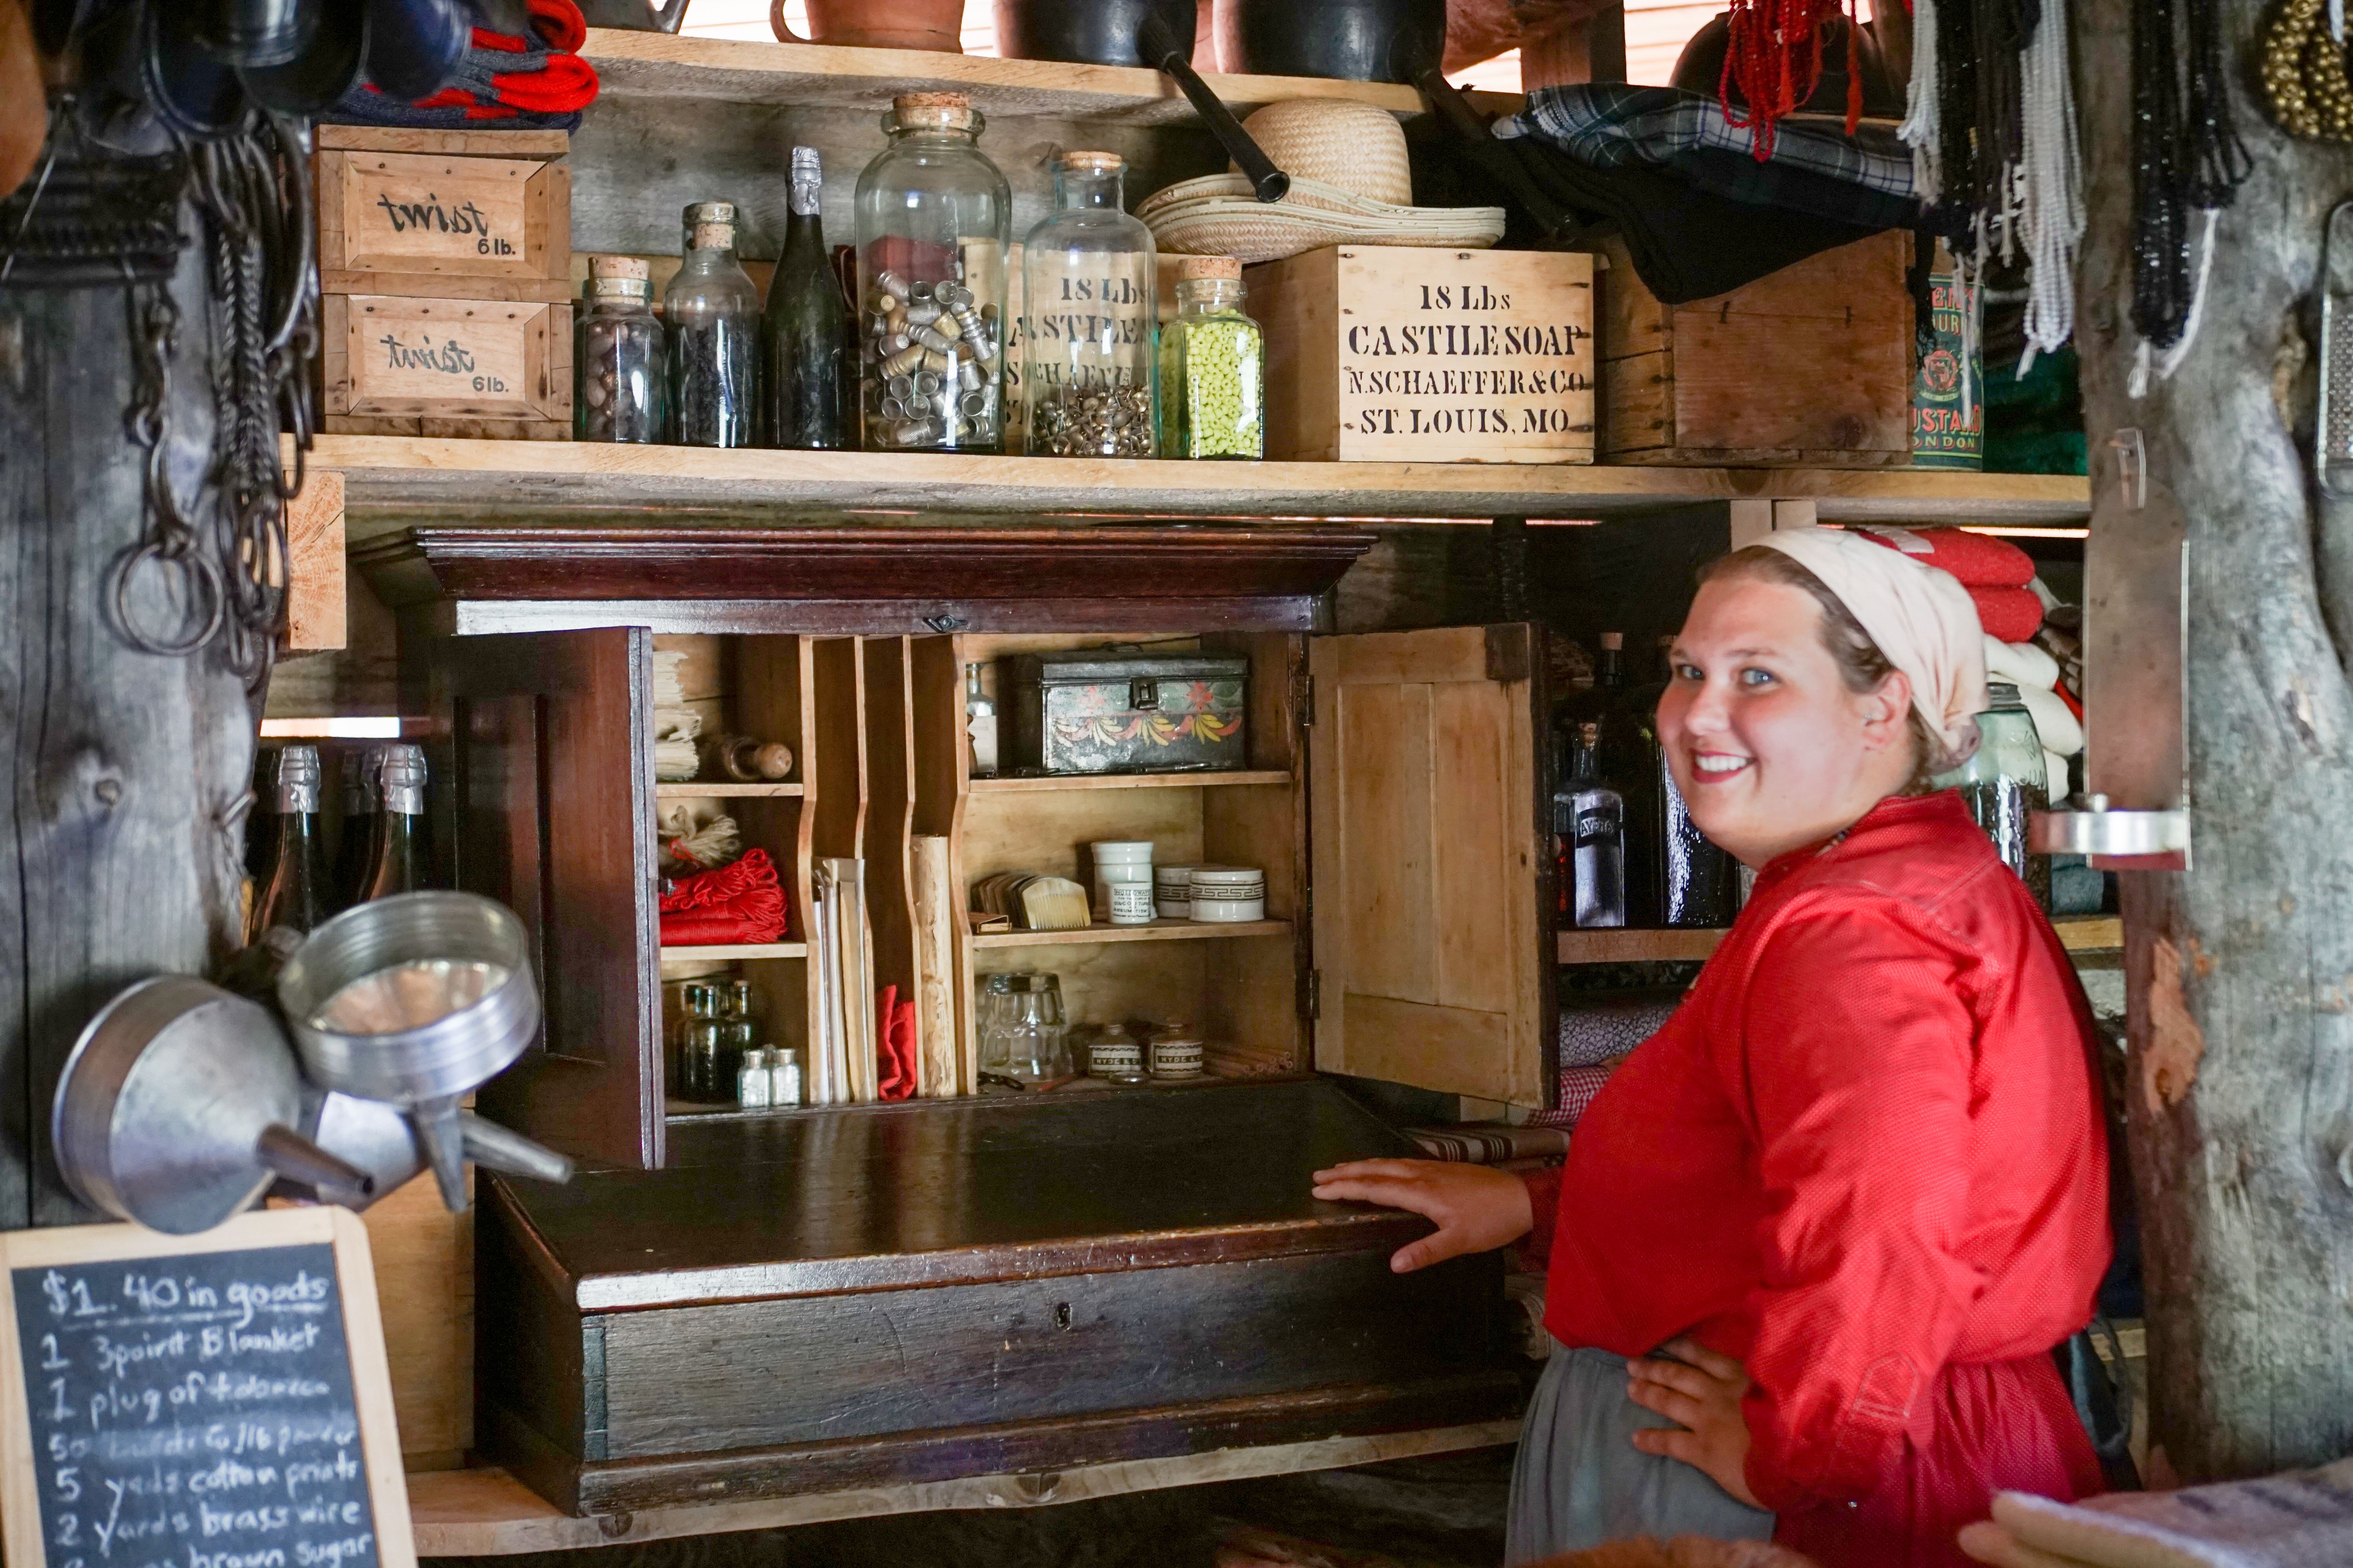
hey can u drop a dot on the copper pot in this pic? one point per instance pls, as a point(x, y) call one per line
point(935, 25)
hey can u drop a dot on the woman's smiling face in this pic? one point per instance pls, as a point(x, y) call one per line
point(1771, 749)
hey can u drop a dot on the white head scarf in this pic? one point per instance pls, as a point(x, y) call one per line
point(1921, 618)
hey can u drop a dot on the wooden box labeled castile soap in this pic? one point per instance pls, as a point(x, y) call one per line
point(1396, 354)
point(445, 268)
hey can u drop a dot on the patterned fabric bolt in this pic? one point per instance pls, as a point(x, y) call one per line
point(1865, 1159)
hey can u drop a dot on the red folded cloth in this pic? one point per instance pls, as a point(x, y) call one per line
point(894, 1045)
point(1976, 560)
point(2008, 614)
point(1578, 1088)
point(739, 902)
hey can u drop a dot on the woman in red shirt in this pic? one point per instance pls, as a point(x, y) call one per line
point(1815, 1239)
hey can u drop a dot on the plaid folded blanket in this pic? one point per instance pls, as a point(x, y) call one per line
point(1865, 179)
point(1489, 1143)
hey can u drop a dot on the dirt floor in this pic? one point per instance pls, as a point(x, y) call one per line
point(1441, 1513)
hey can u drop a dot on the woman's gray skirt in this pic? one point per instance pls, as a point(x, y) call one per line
point(1580, 1481)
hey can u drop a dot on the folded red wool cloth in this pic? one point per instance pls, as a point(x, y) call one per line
point(535, 81)
point(739, 902)
point(1975, 560)
point(2008, 614)
point(894, 1045)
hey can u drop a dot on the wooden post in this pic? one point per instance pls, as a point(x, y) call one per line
point(2241, 969)
point(125, 782)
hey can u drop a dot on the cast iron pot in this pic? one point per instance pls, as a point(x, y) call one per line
point(1353, 40)
point(1155, 33)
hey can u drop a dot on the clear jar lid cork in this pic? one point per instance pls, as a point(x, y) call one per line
point(1189, 268)
point(634, 267)
point(1092, 163)
point(951, 110)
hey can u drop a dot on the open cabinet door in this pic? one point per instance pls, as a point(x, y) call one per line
point(549, 810)
point(1429, 862)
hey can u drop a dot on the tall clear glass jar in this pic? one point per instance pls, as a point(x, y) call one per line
point(935, 220)
point(2003, 785)
point(619, 363)
point(714, 314)
point(1212, 366)
point(1089, 320)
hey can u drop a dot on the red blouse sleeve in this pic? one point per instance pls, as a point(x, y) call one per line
point(1856, 1067)
point(1544, 1208)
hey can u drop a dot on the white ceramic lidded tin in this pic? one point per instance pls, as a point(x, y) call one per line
point(1172, 892)
point(1176, 1054)
point(1228, 894)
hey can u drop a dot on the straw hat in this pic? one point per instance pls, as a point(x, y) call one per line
point(1350, 183)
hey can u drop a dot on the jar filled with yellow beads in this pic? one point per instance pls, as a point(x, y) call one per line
point(1212, 366)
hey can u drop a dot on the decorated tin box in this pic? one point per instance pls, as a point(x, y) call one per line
point(1094, 711)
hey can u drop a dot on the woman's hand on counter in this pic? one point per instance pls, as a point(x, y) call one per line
point(1475, 1208)
point(1689, 1383)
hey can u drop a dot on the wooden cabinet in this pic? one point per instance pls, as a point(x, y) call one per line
point(731, 1304)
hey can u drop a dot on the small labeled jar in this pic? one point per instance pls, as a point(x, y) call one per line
point(784, 1075)
point(1130, 902)
point(619, 380)
point(754, 1078)
point(1212, 366)
point(1172, 892)
point(714, 312)
point(1175, 1054)
point(1228, 894)
point(1114, 1055)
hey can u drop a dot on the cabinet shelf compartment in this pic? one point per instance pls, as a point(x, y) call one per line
point(1131, 781)
point(716, 790)
point(1158, 931)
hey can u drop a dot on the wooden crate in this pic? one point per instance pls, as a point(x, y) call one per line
point(486, 215)
point(1402, 355)
point(401, 366)
point(1809, 367)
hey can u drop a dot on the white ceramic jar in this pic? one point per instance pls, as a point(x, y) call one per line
point(1130, 902)
point(1172, 892)
point(1118, 860)
point(1227, 895)
point(1176, 1054)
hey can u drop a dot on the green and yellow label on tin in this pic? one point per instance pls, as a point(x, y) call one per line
point(1949, 390)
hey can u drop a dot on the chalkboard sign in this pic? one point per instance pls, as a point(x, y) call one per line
point(217, 1401)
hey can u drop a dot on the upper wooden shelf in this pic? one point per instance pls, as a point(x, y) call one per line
point(1157, 931)
point(389, 478)
point(714, 789)
point(1131, 781)
point(732, 70)
point(2077, 933)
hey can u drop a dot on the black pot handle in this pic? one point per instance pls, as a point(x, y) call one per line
point(1154, 42)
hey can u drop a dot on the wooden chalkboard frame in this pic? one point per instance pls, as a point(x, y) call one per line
point(21, 1532)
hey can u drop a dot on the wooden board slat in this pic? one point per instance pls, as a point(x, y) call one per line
point(1157, 931)
point(632, 64)
point(2077, 933)
point(389, 474)
point(1131, 781)
point(314, 549)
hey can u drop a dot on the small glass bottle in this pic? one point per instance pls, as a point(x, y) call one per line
point(992, 1021)
point(1590, 819)
point(935, 222)
point(1212, 366)
point(619, 360)
point(755, 1078)
point(739, 1033)
point(784, 1077)
point(355, 848)
point(698, 1052)
point(1089, 319)
point(2003, 785)
point(714, 313)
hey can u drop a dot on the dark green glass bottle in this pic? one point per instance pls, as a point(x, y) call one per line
point(296, 894)
point(398, 866)
point(804, 336)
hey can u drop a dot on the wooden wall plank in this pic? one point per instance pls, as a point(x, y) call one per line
point(315, 585)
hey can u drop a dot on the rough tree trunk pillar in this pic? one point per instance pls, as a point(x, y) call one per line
point(2241, 969)
point(120, 846)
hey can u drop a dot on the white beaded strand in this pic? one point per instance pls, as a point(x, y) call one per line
point(2051, 214)
point(1921, 128)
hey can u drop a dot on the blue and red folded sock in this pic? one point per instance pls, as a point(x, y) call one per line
point(535, 81)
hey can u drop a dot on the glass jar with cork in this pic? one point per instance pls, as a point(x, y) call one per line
point(1212, 366)
point(1089, 318)
point(619, 389)
point(714, 312)
point(934, 221)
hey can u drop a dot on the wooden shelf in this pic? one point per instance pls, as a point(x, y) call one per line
point(692, 790)
point(389, 478)
point(2077, 933)
point(1131, 781)
point(632, 64)
point(1158, 931)
point(735, 950)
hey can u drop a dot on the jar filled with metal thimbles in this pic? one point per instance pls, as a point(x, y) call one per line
point(935, 220)
point(619, 391)
point(1089, 319)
